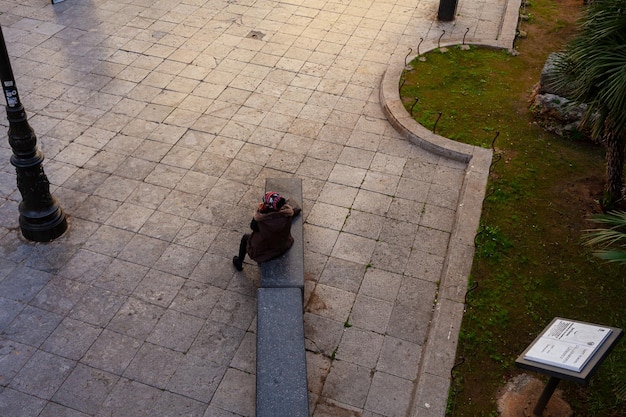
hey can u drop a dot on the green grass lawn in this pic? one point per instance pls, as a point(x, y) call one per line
point(529, 265)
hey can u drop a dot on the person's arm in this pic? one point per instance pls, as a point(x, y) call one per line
point(254, 225)
point(296, 208)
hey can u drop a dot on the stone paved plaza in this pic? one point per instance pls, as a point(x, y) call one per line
point(160, 121)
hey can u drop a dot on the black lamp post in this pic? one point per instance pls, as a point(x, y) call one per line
point(447, 9)
point(41, 218)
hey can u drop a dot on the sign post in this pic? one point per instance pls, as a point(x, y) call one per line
point(567, 349)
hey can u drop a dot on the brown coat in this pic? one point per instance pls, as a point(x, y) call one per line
point(274, 235)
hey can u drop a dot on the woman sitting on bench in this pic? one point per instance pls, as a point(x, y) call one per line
point(271, 230)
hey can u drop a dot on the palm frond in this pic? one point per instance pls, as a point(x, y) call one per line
point(592, 69)
point(620, 391)
point(611, 256)
point(611, 239)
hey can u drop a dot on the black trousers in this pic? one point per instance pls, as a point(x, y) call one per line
point(243, 245)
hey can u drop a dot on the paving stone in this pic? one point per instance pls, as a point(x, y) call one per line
point(108, 240)
point(121, 277)
point(439, 218)
point(42, 375)
point(372, 202)
point(197, 299)
point(17, 404)
point(328, 215)
point(318, 341)
point(158, 288)
point(400, 358)
point(425, 266)
point(196, 183)
point(236, 393)
point(217, 342)
point(136, 318)
point(111, 352)
point(406, 210)
point(389, 395)
point(197, 378)
point(9, 208)
point(343, 274)
point(371, 313)
point(318, 366)
point(331, 302)
point(431, 241)
point(56, 410)
point(143, 250)
point(329, 408)
point(409, 323)
point(337, 194)
point(9, 309)
point(363, 224)
point(71, 339)
point(234, 309)
point(13, 356)
point(51, 257)
point(214, 269)
point(360, 346)
point(390, 257)
point(97, 307)
point(179, 260)
point(140, 368)
point(348, 383)
point(320, 240)
point(135, 169)
point(85, 180)
point(381, 182)
point(398, 233)
point(24, 284)
point(381, 284)
point(129, 217)
point(354, 248)
point(171, 404)
point(196, 235)
point(245, 357)
point(116, 188)
point(162, 175)
point(175, 330)
point(130, 398)
point(347, 175)
point(85, 389)
point(32, 326)
point(218, 412)
point(389, 164)
point(148, 195)
point(444, 196)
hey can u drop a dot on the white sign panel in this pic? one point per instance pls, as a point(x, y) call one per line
point(567, 344)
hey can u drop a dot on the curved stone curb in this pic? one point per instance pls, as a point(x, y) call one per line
point(434, 375)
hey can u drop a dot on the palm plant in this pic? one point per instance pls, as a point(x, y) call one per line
point(610, 239)
point(592, 70)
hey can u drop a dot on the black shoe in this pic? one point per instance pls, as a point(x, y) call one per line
point(238, 264)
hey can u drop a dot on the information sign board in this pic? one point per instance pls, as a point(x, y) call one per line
point(567, 344)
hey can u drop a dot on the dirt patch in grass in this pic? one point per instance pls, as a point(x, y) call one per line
point(529, 265)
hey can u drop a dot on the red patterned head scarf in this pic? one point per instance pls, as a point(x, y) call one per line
point(271, 200)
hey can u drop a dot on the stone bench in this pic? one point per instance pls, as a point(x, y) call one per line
point(286, 271)
point(281, 379)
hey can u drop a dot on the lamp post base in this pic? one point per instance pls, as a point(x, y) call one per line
point(447, 9)
point(44, 229)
